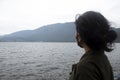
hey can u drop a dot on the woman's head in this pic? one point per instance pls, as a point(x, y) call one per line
point(95, 31)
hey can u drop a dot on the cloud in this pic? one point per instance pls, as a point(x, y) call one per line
point(30, 14)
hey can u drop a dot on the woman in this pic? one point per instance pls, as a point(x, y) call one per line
point(95, 35)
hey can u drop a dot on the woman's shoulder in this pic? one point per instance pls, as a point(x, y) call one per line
point(93, 57)
point(88, 69)
point(93, 62)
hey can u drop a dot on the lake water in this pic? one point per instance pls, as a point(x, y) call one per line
point(44, 61)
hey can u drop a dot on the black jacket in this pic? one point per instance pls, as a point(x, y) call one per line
point(93, 65)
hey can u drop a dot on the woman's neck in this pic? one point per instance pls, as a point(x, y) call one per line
point(86, 48)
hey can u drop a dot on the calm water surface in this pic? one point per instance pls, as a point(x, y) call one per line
point(44, 61)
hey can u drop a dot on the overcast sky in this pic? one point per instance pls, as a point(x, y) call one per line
point(16, 15)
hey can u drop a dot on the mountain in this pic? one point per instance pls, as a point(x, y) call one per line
point(60, 32)
point(118, 34)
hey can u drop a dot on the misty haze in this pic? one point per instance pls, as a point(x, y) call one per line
point(37, 37)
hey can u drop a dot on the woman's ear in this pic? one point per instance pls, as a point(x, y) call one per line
point(79, 40)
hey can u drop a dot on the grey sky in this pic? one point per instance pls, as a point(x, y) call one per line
point(18, 15)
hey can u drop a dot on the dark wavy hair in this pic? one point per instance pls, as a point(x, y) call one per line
point(95, 31)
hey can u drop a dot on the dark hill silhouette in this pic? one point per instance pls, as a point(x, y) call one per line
point(60, 32)
point(118, 34)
